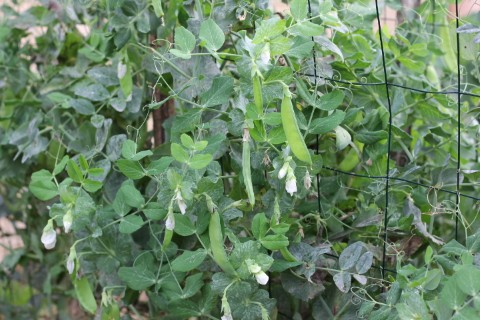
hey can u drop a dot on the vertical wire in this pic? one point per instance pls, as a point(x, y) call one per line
point(457, 198)
point(387, 177)
point(315, 83)
point(433, 17)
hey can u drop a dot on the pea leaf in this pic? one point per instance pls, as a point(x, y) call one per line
point(275, 241)
point(137, 278)
point(324, 125)
point(93, 92)
point(299, 9)
point(189, 260)
point(211, 33)
point(200, 161)
point(219, 92)
point(184, 39)
point(131, 169)
point(130, 224)
point(179, 153)
point(42, 185)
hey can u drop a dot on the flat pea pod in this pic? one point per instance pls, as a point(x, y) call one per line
point(292, 131)
point(216, 244)
point(246, 170)
point(257, 94)
point(167, 238)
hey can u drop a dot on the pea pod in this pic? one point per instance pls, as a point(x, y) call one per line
point(287, 255)
point(257, 94)
point(167, 238)
point(292, 131)
point(246, 171)
point(216, 244)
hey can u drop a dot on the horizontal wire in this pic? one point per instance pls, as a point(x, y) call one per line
point(403, 180)
point(393, 85)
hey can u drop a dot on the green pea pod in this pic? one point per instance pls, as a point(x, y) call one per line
point(292, 131)
point(246, 171)
point(287, 255)
point(167, 238)
point(216, 244)
point(257, 94)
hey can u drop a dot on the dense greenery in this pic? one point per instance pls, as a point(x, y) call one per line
point(253, 197)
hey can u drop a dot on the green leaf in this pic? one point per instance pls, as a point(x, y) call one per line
point(331, 100)
point(184, 39)
point(324, 125)
point(343, 138)
point(307, 29)
point(468, 279)
point(142, 154)
point(301, 48)
point(364, 262)
point(42, 185)
point(129, 149)
point(299, 9)
point(131, 169)
point(371, 137)
point(275, 241)
point(269, 29)
point(159, 166)
point(93, 92)
point(350, 255)
point(342, 281)
point(189, 260)
point(157, 7)
point(280, 265)
point(434, 276)
point(193, 284)
point(134, 198)
point(85, 295)
point(155, 211)
point(126, 82)
point(187, 141)
point(259, 225)
point(130, 224)
point(211, 33)
point(82, 106)
point(200, 161)
point(428, 255)
point(137, 278)
point(183, 225)
point(74, 171)
point(91, 185)
point(451, 295)
point(219, 92)
point(179, 153)
point(60, 166)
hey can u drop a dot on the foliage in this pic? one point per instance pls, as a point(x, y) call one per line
point(223, 220)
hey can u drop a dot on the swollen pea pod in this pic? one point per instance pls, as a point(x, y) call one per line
point(292, 131)
point(287, 255)
point(216, 244)
point(246, 171)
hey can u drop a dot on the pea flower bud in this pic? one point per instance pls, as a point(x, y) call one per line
point(256, 270)
point(67, 221)
point(181, 202)
point(283, 171)
point(71, 260)
point(121, 70)
point(227, 312)
point(261, 278)
point(307, 180)
point(49, 236)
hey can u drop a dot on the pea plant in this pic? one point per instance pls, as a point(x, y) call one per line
point(217, 160)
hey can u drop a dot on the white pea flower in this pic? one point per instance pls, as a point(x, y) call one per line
point(67, 221)
point(307, 180)
point(227, 317)
point(261, 277)
point(256, 270)
point(121, 70)
point(170, 223)
point(49, 236)
point(283, 171)
point(291, 184)
point(181, 202)
point(265, 55)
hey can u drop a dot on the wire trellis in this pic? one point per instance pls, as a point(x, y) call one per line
point(387, 85)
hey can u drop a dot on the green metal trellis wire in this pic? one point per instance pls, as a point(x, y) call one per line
point(387, 177)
